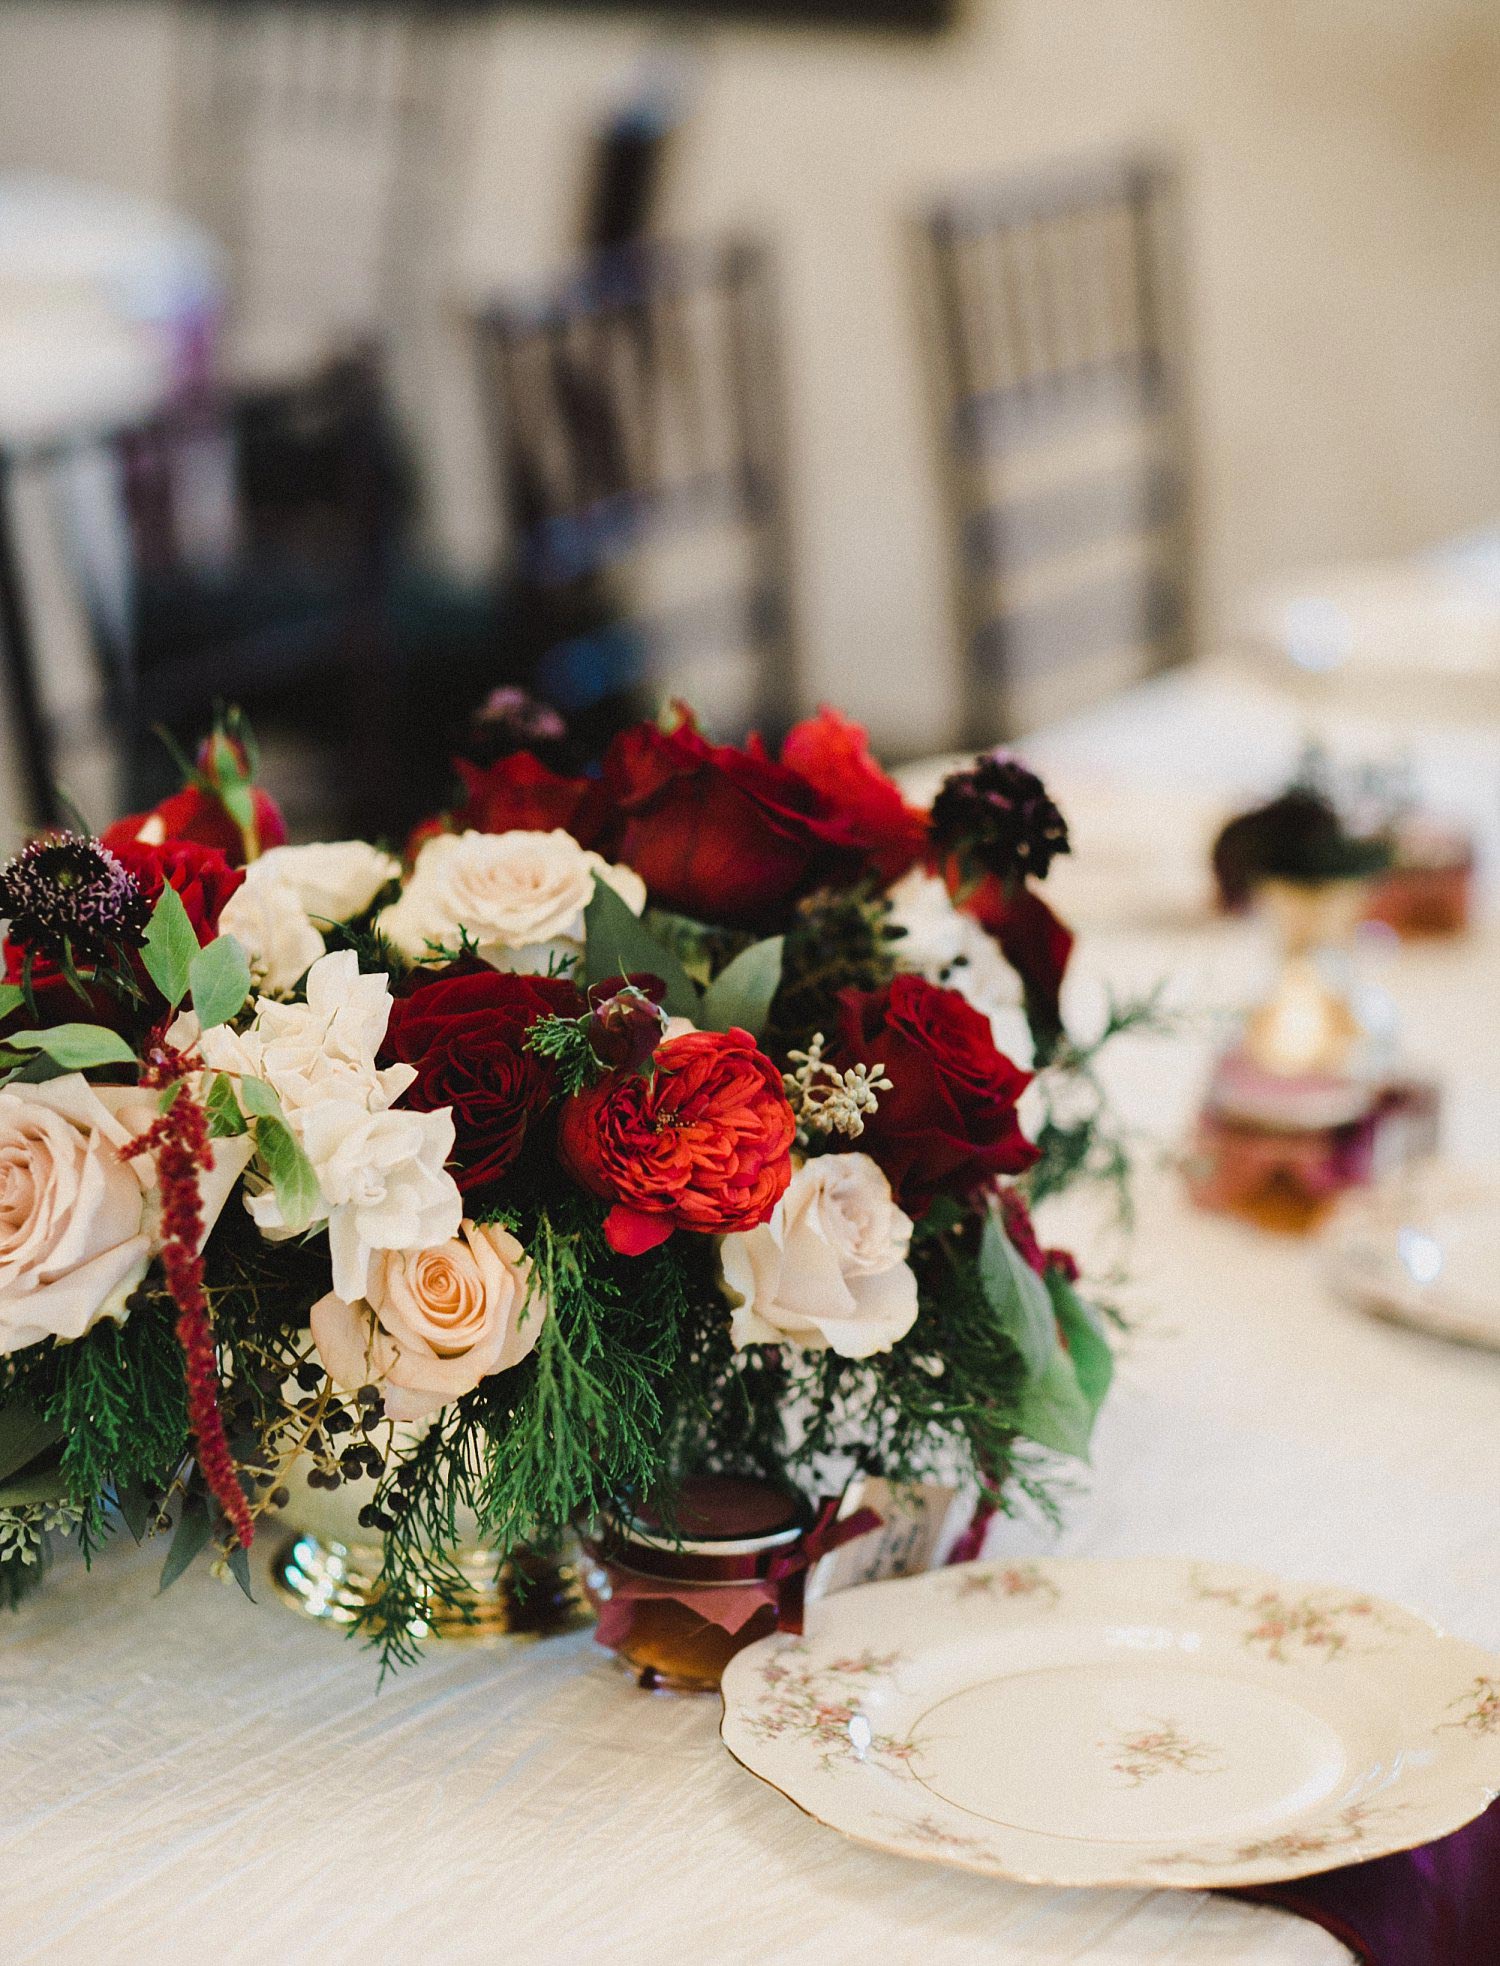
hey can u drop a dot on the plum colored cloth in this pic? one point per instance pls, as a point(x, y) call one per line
point(1435, 1906)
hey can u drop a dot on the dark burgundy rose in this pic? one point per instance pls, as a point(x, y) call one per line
point(833, 755)
point(521, 794)
point(722, 834)
point(466, 1036)
point(626, 1024)
point(948, 1123)
point(997, 819)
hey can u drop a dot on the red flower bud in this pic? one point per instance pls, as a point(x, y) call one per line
point(625, 1025)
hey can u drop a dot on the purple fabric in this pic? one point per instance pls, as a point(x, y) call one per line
point(1436, 1906)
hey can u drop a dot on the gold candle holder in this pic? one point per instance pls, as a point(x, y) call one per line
point(1308, 1024)
point(530, 1595)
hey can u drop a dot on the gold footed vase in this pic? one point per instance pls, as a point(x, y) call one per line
point(329, 1569)
point(530, 1596)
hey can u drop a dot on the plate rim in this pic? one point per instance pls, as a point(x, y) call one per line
point(1148, 1875)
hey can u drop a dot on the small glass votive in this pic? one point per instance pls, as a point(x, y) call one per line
point(677, 1600)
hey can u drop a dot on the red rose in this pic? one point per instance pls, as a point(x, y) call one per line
point(722, 834)
point(1032, 940)
point(201, 875)
point(948, 1122)
point(833, 755)
point(521, 794)
point(704, 1143)
point(57, 1002)
point(200, 817)
point(466, 1036)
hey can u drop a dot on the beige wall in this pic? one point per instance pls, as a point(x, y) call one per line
point(1345, 211)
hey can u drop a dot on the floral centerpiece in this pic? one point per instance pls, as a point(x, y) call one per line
point(683, 1115)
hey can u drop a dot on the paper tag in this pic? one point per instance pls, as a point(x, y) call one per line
point(918, 1527)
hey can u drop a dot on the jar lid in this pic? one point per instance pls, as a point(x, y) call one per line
point(715, 1515)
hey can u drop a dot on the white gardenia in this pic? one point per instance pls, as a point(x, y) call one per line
point(78, 1223)
point(291, 893)
point(519, 896)
point(319, 1050)
point(829, 1270)
point(384, 1182)
point(949, 947)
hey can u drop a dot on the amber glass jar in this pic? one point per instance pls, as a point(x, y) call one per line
point(677, 1600)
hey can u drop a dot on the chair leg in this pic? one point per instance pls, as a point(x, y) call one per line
point(29, 726)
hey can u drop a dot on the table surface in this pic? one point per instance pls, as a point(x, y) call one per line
point(186, 1773)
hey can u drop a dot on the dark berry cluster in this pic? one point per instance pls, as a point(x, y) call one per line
point(69, 899)
point(997, 814)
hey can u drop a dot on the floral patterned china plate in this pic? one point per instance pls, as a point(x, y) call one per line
point(1152, 1722)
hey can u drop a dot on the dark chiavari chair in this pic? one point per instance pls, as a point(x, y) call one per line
point(636, 422)
point(1052, 306)
point(246, 543)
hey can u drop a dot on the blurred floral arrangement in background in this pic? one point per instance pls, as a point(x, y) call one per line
point(684, 1114)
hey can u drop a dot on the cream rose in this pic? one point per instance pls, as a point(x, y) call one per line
point(432, 1322)
point(77, 1222)
point(829, 1270)
point(333, 880)
point(520, 897)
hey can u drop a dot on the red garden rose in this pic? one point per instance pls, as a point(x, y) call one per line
point(948, 1122)
point(466, 1036)
point(833, 755)
point(704, 1143)
point(198, 816)
point(725, 835)
point(201, 875)
point(521, 794)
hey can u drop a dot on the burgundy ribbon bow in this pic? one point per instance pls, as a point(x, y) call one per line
point(788, 1573)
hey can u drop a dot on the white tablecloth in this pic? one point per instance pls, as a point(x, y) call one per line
point(188, 1776)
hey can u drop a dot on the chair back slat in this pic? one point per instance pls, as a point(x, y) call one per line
point(634, 405)
point(1060, 395)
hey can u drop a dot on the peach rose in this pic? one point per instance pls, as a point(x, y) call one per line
point(77, 1222)
point(433, 1322)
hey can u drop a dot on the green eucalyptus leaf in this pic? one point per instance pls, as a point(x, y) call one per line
point(135, 1509)
point(617, 944)
point(219, 978)
point(239, 1568)
point(194, 1527)
point(1018, 1298)
point(24, 1435)
point(291, 1172)
point(76, 1047)
point(257, 1099)
point(171, 946)
point(12, 996)
point(1054, 1411)
point(1088, 1347)
point(225, 1120)
point(742, 991)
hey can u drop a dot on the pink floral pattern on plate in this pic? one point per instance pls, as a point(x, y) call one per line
point(1159, 1747)
point(805, 1702)
point(1014, 1580)
point(1316, 1622)
point(1481, 1708)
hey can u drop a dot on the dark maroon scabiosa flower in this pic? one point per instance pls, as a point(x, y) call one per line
point(70, 900)
point(997, 818)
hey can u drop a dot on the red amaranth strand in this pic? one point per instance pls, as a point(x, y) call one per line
point(180, 1141)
